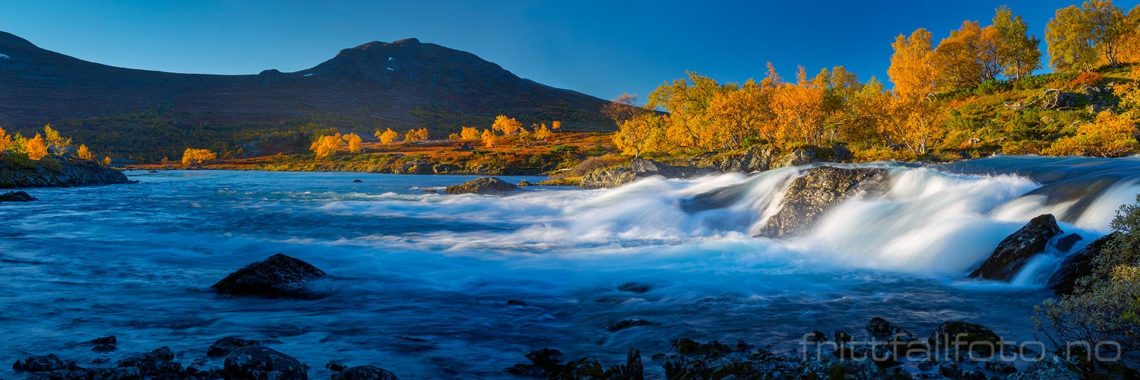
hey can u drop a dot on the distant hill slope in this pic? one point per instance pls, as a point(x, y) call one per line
point(143, 114)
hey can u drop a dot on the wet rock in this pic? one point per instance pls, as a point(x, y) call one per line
point(365, 372)
point(798, 157)
point(637, 169)
point(277, 276)
point(357, 181)
point(482, 185)
point(43, 363)
point(104, 344)
point(542, 362)
point(842, 337)
point(628, 323)
point(260, 362)
point(157, 363)
point(812, 195)
point(958, 336)
point(547, 363)
point(608, 177)
point(755, 159)
point(229, 344)
point(514, 302)
point(1078, 265)
point(55, 173)
point(1066, 243)
point(634, 287)
point(840, 153)
point(815, 337)
point(689, 347)
point(1016, 249)
point(336, 366)
point(1049, 368)
point(632, 370)
point(16, 196)
point(882, 329)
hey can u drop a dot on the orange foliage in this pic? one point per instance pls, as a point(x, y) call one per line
point(36, 148)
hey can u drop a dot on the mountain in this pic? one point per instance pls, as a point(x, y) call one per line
point(146, 115)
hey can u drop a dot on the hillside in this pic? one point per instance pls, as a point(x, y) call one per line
point(146, 115)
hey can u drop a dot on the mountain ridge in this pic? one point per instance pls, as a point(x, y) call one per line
point(401, 85)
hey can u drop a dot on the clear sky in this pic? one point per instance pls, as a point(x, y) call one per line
point(601, 48)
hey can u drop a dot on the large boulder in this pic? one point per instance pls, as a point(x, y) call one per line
point(1016, 249)
point(639, 168)
point(229, 344)
point(1078, 265)
point(798, 157)
point(263, 363)
point(755, 159)
point(962, 336)
point(277, 276)
point(22, 173)
point(16, 196)
point(482, 185)
point(810, 196)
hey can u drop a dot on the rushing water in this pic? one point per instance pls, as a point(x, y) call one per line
point(421, 280)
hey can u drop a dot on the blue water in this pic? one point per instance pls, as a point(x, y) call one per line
point(421, 280)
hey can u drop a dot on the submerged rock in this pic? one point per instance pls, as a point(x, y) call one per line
point(260, 362)
point(1016, 249)
point(277, 276)
point(634, 287)
point(812, 195)
point(1078, 265)
point(547, 363)
point(882, 329)
point(628, 323)
point(365, 372)
point(16, 196)
point(482, 185)
point(158, 363)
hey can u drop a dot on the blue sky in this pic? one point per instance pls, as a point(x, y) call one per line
point(601, 48)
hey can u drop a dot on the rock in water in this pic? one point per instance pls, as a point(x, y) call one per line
point(1078, 265)
point(277, 276)
point(639, 168)
point(482, 185)
point(964, 336)
point(810, 196)
point(229, 344)
point(260, 362)
point(1016, 249)
point(16, 196)
point(53, 173)
point(365, 372)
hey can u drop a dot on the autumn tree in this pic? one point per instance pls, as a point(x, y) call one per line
point(388, 136)
point(916, 123)
point(6, 142)
point(507, 125)
point(489, 138)
point(1107, 28)
point(738, 115)
point(864, 116)
point(326, 146)
point(912, 67)
point(542, 133)
point(1017, 51)
point(57, 143)
point(1081, 38)
point(194, 157)
point(354, 144)
point(640, 134)
point(420, 134)
point(799, 110)
point(622, 108)
point(686, 101)
point(557, 125)
point(469, 133)
point(83, 153)
point(36, 148)
point(968, 57)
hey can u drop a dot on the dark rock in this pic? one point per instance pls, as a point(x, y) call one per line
point(798, 157)
point(357, 181)
point(543, 362)
point(482, 185)
point(104, 344)
point(1016, 249)
point(55, 173)
point(260, 362)
point(157, 363)
point(840, 153)
point(1066, 243)
point(842, 337)
point(632, 370)
point(628, 323)
point(716, 199)
point(105, 340)
point(882, 329)
point(229, 344)
point(755, 159)
point(277, 276)
point(689, 347)
point(608, 177)
point(634, 287)
point(16, 196)
point(815, 337)
point(366, 372)
point(43, 363)
point(336, 366)
point(547, 363)
point(514, 302)
point(1078, 265)
point(810, 196)
point(961, 336)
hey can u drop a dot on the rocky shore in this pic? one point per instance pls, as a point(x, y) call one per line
point(49, 172)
